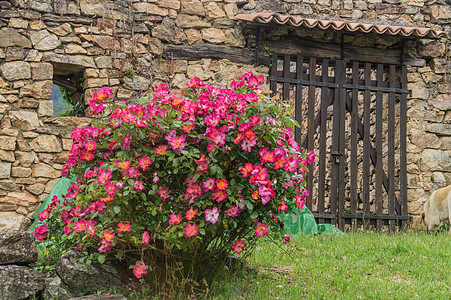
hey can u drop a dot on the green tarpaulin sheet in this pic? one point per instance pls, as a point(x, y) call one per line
point(302, 221)
point(59, 190)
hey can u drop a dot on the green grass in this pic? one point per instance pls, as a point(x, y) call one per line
point(412, 265)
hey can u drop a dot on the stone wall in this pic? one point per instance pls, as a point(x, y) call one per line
point(121, 44)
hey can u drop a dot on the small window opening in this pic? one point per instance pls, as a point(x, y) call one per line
point(67, 95)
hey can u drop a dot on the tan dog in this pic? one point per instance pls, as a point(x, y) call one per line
point(437, 208)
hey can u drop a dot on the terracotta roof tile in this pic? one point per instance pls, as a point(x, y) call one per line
point(265, 18)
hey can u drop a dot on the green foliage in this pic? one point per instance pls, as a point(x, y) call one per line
point(181, 179)
point(130, 72)
point(73, 108)
point(49, 253)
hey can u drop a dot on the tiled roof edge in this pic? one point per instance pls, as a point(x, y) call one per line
point(404, 31)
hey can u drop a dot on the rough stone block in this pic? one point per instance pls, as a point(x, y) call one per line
point(136, 83)
point(442, 102)
point(150, 9)
point(213, 11)
point(20, 172)
point(95, 82)
point(71, 62)
point(11, 37)
point(94, 277)
point(13, 53)
point(24, 120)
point(46, 143)
point(439, 128)
point(16, 70)
point(21, 199)
point(75, 49)
point(194, 36)
point(174, 4)
point(19, 282)
point(192, 7)
point(104, 62)
point(432, 50)
point(38, 90)
point(45, 109)
point(168, 31)
point(18, 23)
point(44, 170)
point(435, 160)
point(188, 21)
point(26, 159)
point(7, 143)
point(41, 71)
point(33, 55)
point(9, 132)
point(213, 35)
point(7, 156)
point(5, 170)
point(12, 222)
point(27, 103)
point(43, 40)
point(62, 30)
point(23, 145)
point(18, 248)
point(36, 189)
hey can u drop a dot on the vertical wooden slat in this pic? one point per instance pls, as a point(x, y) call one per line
point(286, 74)
point(379, 134)
point(354, 141)
point(322, 143)
point(366, 143)
point(342, 146)
point(391, 146)
point(311, 127)
point(403, 149)
point(298, 99)
point(335, 146)
point(273, 84)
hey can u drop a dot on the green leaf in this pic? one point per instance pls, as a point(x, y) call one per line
point(196, 176)
point(254, 215)
point(143, 100)
point(101, 258)
point(213, 170)
point(250, 206)
point(117, 209)
point(202, 231)
point(119, 254)
point(88, 262)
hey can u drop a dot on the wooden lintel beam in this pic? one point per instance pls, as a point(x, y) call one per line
point(206, 51)
point(63, 82)
point(334, 51)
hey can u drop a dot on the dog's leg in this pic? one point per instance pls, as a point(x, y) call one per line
point(449, 212)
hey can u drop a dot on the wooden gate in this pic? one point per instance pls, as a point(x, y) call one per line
point(353, 116)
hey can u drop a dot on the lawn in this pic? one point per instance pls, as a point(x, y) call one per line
point(352, 266)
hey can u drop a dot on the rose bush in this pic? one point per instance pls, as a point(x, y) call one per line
point(201, 174)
